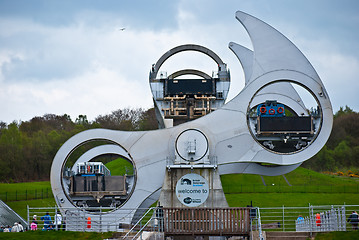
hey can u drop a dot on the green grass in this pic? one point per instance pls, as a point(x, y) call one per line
point(337, 236)
point(240, 189)
point(291, 199)
point(21, 206)
point(302, 175)
point(301, 179)
point(307, 187)
point(120, 167)
point(55, 235)
point(25, 191)
point(12, 187)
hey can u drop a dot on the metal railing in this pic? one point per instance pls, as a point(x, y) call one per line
point(256, 223)
point(195, 221)
point(210, 162)
point(88, 219)
point(9, 216)
point(325, 221)
point(27, 194)
point(153, 224)
point(331, 218)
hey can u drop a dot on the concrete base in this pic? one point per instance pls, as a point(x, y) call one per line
point(216, 196)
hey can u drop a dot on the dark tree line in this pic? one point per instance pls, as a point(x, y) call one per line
point(342, 149)
point(28, 148)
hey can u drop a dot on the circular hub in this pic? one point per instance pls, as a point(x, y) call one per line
point(191, 145)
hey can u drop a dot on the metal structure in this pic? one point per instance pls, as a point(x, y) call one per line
point(180, 100)
point(329, 220)
point(286, 218)
point(9, 216)
point(228, 137)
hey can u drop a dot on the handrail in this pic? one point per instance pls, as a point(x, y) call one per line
point(259, 224)
point(138, 222)
point(141, 229)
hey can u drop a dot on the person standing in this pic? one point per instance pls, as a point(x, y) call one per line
point(354, 220)
point(300, 219)
point(318, 222)
point(58, 220)
point(20, 228)
point(14, 228)
point(33, 225)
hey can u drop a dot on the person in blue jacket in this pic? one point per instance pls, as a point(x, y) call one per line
point(47, 221)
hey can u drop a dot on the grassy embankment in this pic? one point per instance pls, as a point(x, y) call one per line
point(308, 187)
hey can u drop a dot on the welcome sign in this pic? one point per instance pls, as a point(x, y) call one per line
point(192, 190)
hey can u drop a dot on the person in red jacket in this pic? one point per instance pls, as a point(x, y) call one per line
point(318, 221)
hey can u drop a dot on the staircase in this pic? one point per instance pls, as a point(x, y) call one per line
point(9, 217)
point(145, 235)
point(120, 235)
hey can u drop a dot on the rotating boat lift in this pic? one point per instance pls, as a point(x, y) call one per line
point(229, 135)
point(180, 100)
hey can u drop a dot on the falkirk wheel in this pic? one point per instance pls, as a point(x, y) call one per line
point(266, 129)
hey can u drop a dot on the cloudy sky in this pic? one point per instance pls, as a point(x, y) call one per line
point(71, 56)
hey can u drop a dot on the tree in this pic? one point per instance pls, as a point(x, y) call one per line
point(345, 127)
point(126, 119)
point(341, 150)
point(82, 120)
point(28, 148)
point(148, 120)
point(11, 153)
point(343, 111)
point(322, 161)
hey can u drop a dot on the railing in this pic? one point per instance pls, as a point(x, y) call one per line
point(202, 221)
point(256, 223)
point(206, 221)
point(332, 218)
point(205, 162)
point(155, 226)
point(77, 219)
point(9, 216)
point(325, 221)
point(26, 194)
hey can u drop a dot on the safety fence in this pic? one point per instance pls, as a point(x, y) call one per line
point(325, 221)
point(26, 195)
point(260, 188)
point(198, 221)
point(170, 221)
point(308, 219)
point(84, 219)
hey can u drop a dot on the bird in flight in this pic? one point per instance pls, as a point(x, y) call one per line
point(122, 29)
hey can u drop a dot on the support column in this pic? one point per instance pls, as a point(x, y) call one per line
point(216, 198)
